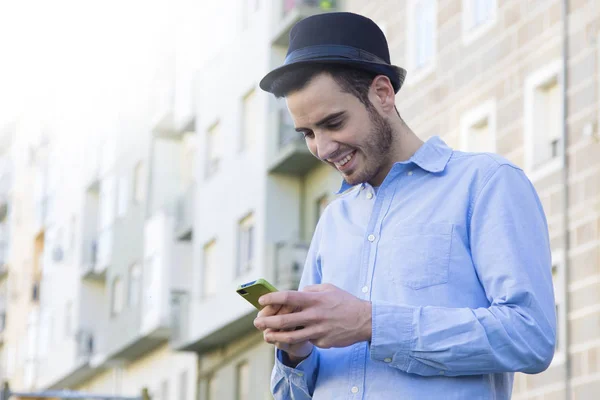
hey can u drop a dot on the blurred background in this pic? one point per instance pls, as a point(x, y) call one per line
point(144, 175)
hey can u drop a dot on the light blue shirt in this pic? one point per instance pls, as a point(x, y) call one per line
point(453, 252)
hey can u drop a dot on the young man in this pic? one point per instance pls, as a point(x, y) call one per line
point(430, 275)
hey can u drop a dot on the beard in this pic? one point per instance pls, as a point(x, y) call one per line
point(375, 151)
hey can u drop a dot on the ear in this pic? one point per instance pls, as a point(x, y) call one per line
point(384, 95)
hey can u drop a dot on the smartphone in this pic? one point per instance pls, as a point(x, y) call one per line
point(252, 291)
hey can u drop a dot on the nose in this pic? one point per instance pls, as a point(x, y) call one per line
point(324, 146)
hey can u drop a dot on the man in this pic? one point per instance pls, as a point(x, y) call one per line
point(429, 276)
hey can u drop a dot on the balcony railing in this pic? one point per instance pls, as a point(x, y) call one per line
point(184, 214)
point(91, 269)
point(179, 316)
point(291, 5)
point(85, 345)
point(292, 156)
point(289, 261)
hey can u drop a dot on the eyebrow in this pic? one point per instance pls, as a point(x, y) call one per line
point(324, 121)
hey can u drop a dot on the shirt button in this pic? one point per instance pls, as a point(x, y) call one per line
point(300, 373)
point(387, 360)
point(365, 289)
point(369, 195)
point(371, 238)
point(410, 173)
point(354, 389)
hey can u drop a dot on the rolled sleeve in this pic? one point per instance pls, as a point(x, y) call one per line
point(298, 382)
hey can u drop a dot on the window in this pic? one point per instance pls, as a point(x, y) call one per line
point(558, 280)
point(477, 18)
point(138, 183)
point(213, 148)
point(68, 318)
point(422, 37)
point(183, 386)
point(242, 381)
point(117, 296)
point(209, 281)
point(246, 244)
point(107, 215)
point(478, 128)
point(135, 285)
point(322, 203)
point(211, 388)
point(72, 232)
point(249, 8)
point(187, 159)
point(249, 116)
point(543, 121)
point(123, 196)
point(164, 390)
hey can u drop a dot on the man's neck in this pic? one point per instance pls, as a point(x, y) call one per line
point(404, 145)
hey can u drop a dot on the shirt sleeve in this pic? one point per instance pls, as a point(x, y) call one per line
point(517, 332)
point(299, 382)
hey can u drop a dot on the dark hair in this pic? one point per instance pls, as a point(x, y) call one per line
point(354, 81)
point(351, 80)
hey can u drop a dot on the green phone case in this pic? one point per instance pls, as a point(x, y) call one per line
point(252, 291)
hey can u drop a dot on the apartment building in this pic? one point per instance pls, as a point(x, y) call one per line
point(102, 192)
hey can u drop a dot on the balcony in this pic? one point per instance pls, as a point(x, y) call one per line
point(145, 325)
point(289, 262)
point(184, 218)
point(85, 346)
point(92, 270)
point(179, 317)
point(292, 156)
point(292, 11)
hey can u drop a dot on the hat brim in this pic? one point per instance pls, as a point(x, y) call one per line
point(396, 74)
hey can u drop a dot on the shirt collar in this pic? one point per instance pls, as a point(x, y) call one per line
point(432, 156)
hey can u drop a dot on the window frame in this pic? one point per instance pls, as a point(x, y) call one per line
point(472, 32)
point(419, 73)
point(533, 82)
point(485, 111)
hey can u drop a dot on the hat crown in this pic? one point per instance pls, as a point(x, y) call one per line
point(340, 28)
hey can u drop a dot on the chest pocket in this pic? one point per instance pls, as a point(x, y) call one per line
point(420, 255)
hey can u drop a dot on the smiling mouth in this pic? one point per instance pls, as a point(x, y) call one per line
point(344, 162)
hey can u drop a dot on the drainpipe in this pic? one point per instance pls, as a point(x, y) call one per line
point(565, 184)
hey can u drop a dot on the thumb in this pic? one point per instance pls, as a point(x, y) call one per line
point(317, 288)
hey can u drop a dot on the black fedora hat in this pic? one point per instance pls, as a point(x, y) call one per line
point(341, 38)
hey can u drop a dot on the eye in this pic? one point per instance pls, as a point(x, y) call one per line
point(307, 134)
point(335, 125)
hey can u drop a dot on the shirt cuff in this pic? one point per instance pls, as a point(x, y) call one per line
point(392, 334)
point(303, 375)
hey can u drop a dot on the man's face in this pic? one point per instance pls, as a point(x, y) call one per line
point(341, 131)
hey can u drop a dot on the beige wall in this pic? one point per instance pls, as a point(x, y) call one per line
point(525, 38)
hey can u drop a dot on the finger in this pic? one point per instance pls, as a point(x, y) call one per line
point(283, 321)
point(290, 298)
point(291, 337)
point(318, 288)
point(269, 310)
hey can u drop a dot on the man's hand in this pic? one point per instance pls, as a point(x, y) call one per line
point(330, 317)
point(296, 352)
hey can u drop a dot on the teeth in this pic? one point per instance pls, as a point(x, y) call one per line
point(344, 160)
